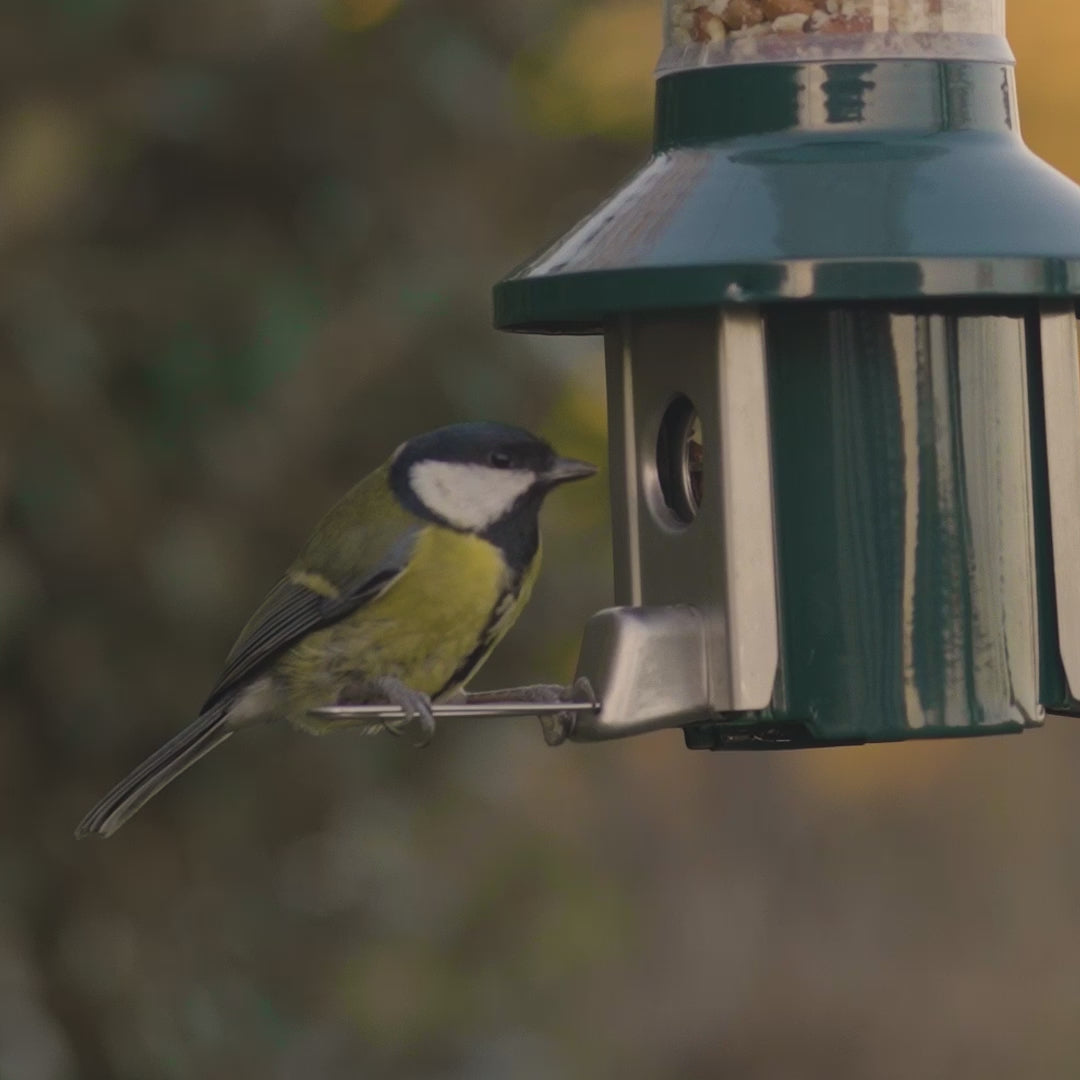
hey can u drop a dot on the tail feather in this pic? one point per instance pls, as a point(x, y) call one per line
point(160, 768)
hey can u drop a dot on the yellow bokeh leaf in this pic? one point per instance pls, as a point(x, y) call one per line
point(44, 156)
point(359, 14)
point(597, 77)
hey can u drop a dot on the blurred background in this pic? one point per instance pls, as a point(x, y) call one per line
point(246, 247)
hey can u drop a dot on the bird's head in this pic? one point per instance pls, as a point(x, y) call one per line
point(474, 476)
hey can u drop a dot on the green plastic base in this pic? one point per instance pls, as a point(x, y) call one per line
point(850, 181)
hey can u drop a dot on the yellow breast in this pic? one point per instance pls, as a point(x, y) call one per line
point(449, 602)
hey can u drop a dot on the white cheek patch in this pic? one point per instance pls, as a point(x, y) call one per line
point(470, 497)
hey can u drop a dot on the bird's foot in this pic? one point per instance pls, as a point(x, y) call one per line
point(557, 727)
point(413, 703)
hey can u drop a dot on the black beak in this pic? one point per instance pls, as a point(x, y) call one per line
point(565, 469)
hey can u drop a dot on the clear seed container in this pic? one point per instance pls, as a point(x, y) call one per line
point(705, 32)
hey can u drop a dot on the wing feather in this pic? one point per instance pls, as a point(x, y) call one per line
point(297, 605)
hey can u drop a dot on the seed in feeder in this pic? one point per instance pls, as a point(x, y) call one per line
point(760, 30)
point(776, 9)
point(789, 24)
point(681, 15)
point(715, 29)
point(740, 14)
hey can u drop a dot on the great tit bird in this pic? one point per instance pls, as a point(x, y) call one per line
point(399, 596)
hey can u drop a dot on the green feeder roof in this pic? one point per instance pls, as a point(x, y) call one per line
point(890, 180)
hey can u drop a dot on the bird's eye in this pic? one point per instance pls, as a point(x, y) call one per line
point(500, 459)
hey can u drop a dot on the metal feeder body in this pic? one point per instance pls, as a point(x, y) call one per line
point(839, 309)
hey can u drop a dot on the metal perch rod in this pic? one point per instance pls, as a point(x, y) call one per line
point(466, 712)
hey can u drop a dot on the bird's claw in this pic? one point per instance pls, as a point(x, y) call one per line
point(558, 727)
point(414, 704)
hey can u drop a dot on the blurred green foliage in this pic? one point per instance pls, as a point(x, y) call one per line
point(247, 248)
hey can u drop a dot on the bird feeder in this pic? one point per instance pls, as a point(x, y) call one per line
point(839, 312)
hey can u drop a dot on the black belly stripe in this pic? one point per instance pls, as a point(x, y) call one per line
point(468, 665)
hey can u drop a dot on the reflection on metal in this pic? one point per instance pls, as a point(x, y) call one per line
point(873, 482)
point(889, 181)
point(743, 455)
point(680, 459)
point(622, 464)
point(996, 471)
point(722, 560)
point(1061, 389)
point(458, 712)
point(649, 668)
point(905, 523)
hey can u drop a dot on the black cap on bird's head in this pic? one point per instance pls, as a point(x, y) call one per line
point(475, 476)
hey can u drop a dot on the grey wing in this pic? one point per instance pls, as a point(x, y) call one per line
point(292, 610)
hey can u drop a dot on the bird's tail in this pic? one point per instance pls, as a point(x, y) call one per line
point(160, 768)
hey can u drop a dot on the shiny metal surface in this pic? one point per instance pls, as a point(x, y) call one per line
point(649, 668)
point(748, 544)
point(1061, 394)
point(895, 447)
point(723, 561)
point(622, 464)
point(995, 474)
point(905, 523)
point(457, 712)
point(680, 459)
